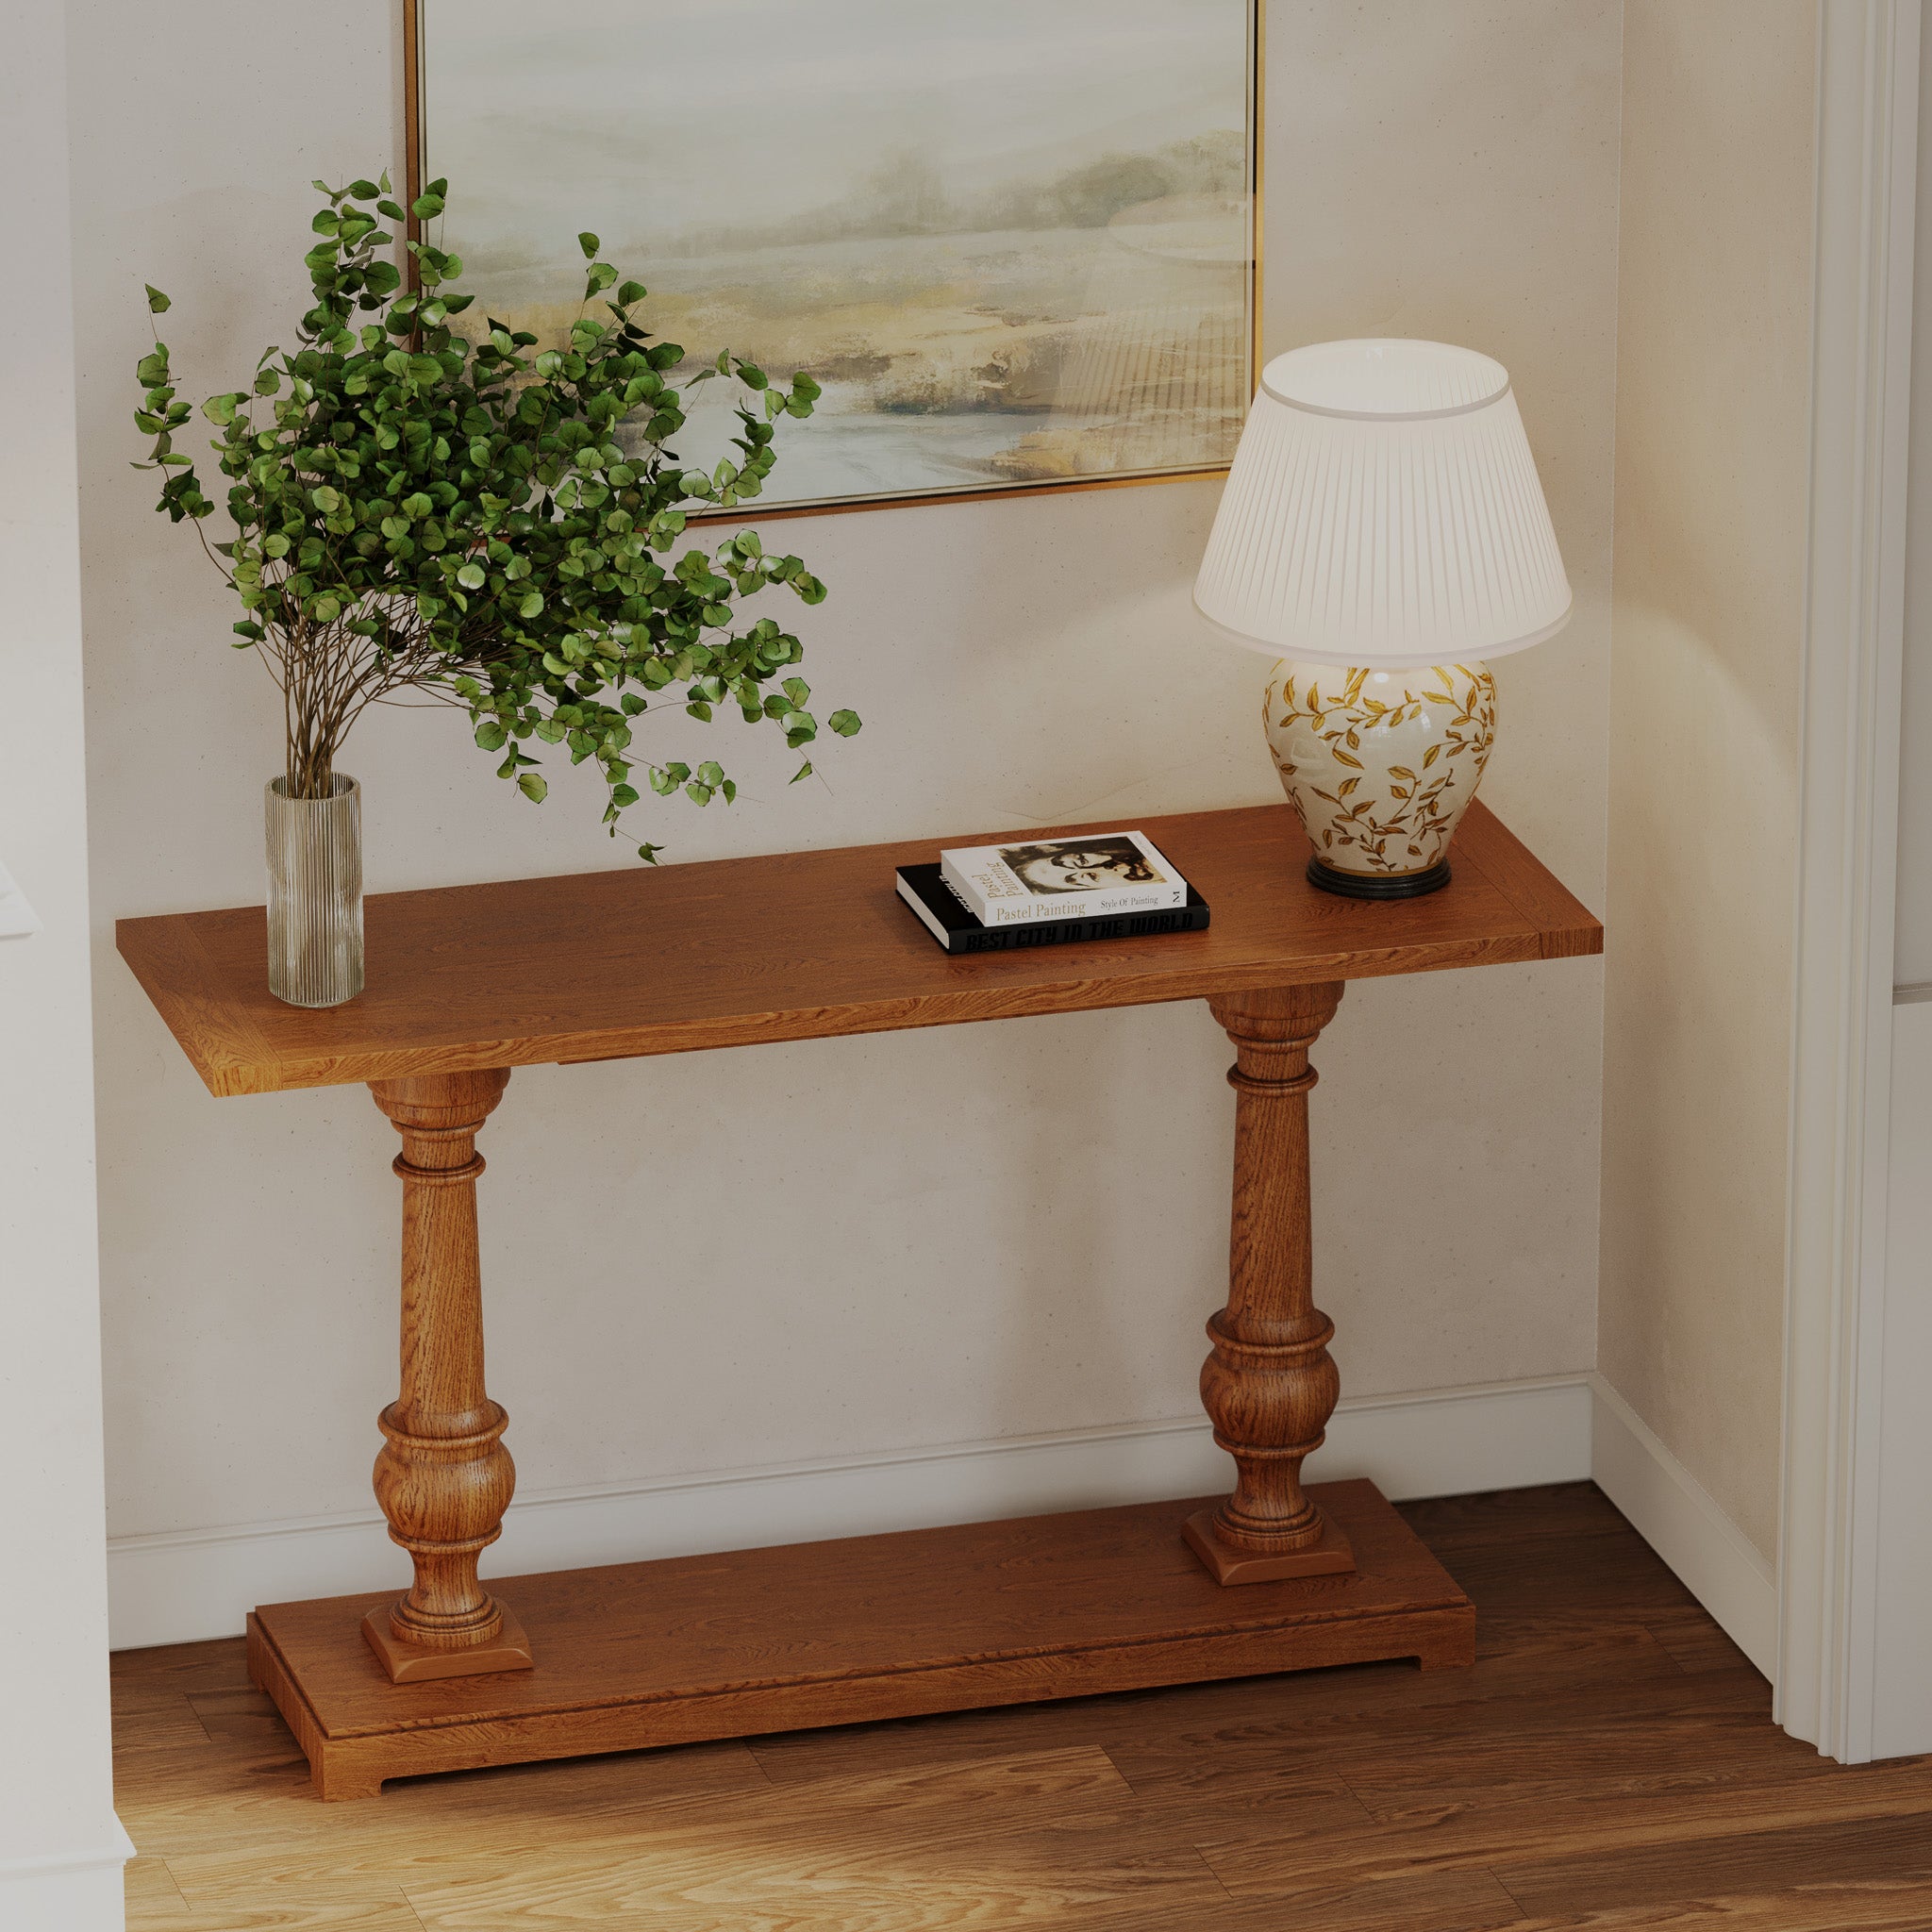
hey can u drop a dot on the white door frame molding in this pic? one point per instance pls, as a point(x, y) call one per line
point(61, 1849)
point(1867, 155)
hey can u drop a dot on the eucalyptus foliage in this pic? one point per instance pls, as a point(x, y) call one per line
point(418, 512)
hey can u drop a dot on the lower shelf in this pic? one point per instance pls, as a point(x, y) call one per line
point(635, 1655)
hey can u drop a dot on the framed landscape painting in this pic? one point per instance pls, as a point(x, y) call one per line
point(1013, 241)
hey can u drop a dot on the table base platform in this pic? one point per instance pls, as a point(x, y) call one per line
point(633, 1656)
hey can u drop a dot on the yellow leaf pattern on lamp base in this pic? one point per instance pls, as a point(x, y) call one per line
point(1380, 765)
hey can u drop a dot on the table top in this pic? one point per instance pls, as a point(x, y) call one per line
point(732, 952)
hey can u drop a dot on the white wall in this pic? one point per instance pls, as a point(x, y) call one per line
point(712, 1262)
point(1901, 1717)
point(60, 1848)
point(1912, 931)
point(1714, 340)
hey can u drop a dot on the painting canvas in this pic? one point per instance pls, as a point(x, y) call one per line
point(1012, 240)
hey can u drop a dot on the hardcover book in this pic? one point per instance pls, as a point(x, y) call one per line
point(953, 924)
point(1098, 877)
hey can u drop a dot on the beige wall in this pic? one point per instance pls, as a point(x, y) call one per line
point(1713, 353)
point(717, 1260)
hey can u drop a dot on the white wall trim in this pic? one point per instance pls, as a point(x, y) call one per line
point(181, 1585)
point(114, 1856)
point(80, 1891)
point(1867, 126)
point(1679, 1519)
point(81, 1899)
point(56, 1743)
point(1902, 1719)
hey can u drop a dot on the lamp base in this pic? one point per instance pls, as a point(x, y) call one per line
point(1381, 766)
point(1368, 885)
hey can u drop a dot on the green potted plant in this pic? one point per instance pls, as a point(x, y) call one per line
point(428, 510)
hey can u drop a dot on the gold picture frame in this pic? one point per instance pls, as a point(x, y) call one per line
point(1218, 249)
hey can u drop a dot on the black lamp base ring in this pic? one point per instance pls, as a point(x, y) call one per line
point(1369, 885)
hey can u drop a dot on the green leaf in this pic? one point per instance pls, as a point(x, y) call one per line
point(395, 474)
point(157, 302)
point(844, 723)
point(803, 771)
point(533, 787)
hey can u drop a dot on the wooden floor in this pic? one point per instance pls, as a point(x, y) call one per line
point(1609, 1762)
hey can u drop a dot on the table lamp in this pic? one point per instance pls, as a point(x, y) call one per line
point(1382, 533)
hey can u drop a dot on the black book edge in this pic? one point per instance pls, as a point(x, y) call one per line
point(943, 915)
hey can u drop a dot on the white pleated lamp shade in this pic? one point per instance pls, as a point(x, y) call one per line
point(1384, 509)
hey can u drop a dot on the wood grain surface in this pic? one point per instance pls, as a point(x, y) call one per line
point(800, 945)
point(1269, 1384)
point(696, 1647)
point(443, 1478)
point(1609, 1762)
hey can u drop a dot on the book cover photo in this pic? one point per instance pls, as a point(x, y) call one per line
point(1100, 874)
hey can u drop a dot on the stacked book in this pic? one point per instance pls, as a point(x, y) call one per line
point(1051, 893)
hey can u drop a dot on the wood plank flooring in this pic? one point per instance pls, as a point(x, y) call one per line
point(1610, 1762)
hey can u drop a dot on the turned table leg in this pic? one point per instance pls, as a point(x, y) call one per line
point(1269, 1385)
point(443, 1478)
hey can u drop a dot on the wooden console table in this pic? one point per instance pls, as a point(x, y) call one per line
point(468, 982)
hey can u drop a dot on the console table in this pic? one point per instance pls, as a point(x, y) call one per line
point(467, 982)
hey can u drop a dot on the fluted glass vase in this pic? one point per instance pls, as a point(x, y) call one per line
point(315, 894)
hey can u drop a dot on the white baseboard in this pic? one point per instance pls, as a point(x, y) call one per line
point(1677, 1515)
point(76, 1891)
point(179, 1587)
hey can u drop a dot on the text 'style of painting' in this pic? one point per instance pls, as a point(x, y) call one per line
point(1011, 240)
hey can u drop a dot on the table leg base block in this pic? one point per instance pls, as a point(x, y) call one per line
point(636, 1656)
point(410, 1663)
point(1329, 1556)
